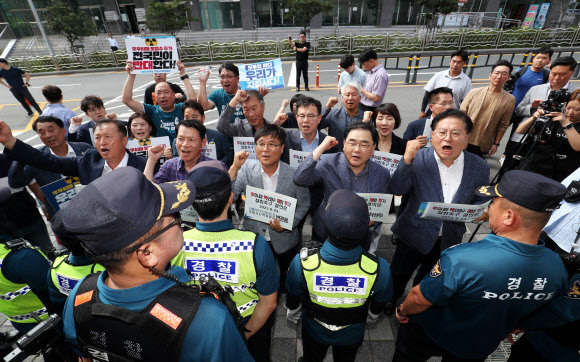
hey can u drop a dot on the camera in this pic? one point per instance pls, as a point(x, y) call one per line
point(556, 102)
point(510, 85)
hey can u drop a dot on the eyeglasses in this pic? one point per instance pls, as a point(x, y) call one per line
point(363, 145)
point(177, 221)
point(503, 74)
point(310, 117)
point(269, 146)
point(93, 109)
point(455, 134)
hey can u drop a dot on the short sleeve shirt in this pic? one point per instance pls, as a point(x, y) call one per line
point(302, 56)
point(527, 81)
point(460, 85)
point(220, 98)
point(165, 122)
point(13, 76)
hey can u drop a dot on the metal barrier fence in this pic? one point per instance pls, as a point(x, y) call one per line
point(328, 45)
point(477, 59)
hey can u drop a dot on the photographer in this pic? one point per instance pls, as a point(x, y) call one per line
point(559, 155)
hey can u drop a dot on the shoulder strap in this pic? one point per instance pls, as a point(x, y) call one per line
point(521, 71)
point(546, 75)
point(373, 258)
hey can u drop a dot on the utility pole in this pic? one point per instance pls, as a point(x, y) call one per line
point(41, 27)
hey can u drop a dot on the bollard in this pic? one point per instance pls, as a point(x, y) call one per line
point(525, 60)
point(317, 75)
point(531, 62)
point(408, 77)
point(473, 64)
point(417, 59)
point(338, 80)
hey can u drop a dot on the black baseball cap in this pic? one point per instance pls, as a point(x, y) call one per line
point(347, 219)
point(527, 189)
point(210, 179)
point(118, 208)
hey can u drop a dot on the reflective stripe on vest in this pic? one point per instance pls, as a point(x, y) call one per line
point(339, 286)
point(66, 276)
point(17, 301)
point(228, 256)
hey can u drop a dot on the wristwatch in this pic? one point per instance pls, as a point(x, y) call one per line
point(568, 126)
point(184, 77)
point(496, 144)
point(401, 313)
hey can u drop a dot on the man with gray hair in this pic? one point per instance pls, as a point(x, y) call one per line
point(337, 120)
point(253, 107)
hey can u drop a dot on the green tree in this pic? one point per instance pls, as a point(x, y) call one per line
point(304, 10)
point(168, 18)
point(437, 7)
point(62, 20)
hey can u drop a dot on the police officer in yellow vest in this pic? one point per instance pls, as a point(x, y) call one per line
point(24, 297)
point(240, 259)
point(340, 283)
point(67, 270)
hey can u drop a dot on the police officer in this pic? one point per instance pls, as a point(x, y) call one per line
point(69, 268)
point(240, 259)
point(139, 308)
point(478, 292)
point(340, 281)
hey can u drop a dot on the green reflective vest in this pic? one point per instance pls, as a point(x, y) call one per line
point(65, 276)
point(338, 295)
point(228, 256)
point(17, 301)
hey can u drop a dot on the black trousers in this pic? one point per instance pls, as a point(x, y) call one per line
point(413, 345)
point(284, 260)
point(260, 343)
point(302, 67)
point(315, 352)
point(22, 94)
point(365, 108)
point(406, 260)
point(476, 150)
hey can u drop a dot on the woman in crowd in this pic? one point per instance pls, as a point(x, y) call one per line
point(386, 118)
point(556, 155)
point(141, 127)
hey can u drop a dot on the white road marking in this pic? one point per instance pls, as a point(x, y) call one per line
point(60, 85)
point(292, 78)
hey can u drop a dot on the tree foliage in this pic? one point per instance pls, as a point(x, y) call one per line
point(62, 20)
point(304, 10)
point(437, 7)
point(168, 18)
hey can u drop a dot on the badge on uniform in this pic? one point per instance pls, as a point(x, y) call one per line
point(574, 291)
point(436, 271)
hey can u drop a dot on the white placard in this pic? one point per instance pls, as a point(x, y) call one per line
point(427, 132)
point(296, 157)
point(245, 144)
point(152, 55)
point(140, 147)
point(450, 212)
point(189, 214)
point(209, 150)
point(379, 205)
point(262, 205)
point(390, 161)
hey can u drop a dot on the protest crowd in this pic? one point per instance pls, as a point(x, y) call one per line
point(177, 241)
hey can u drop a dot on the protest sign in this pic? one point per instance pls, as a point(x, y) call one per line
point(59, 193)
point(209, 150)
point(140, 147)
point(189, 214)
point(268, 74)
point(152, 55)
point(450, 212)
point(390, 161)
point(262, 205)
point(379, 205)
point(296, 157)
point(427, 132)
point(245, 144)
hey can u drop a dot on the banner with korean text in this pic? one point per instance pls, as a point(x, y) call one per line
point(245, 144)
point(450, 212)
point(152, 55)
point(140, 147)
point(59, 193)
point(268, 74)
point(379, 205)
point(390, 161)
point(264, 206)
point(296, 157)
